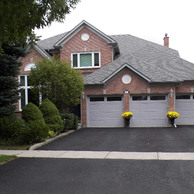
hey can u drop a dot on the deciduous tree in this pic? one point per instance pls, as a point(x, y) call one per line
point(58, 82)
point(18, 18)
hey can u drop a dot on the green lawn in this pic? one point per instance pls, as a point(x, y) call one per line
point(14, 147)
point(4, 158)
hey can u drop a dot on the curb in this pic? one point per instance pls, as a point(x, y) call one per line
point(37, 145)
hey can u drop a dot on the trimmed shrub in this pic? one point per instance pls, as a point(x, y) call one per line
point(14, 130)
point(51, 116)
point(31, 112)
point(70, 121)
point(33, 116)
point(75, 123)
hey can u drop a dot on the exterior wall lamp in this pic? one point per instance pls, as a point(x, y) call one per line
point(171, 92)
point(83, 95)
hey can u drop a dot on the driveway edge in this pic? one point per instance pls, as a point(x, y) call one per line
point(37, 145)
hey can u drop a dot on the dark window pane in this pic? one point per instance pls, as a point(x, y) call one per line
point(183, 97)
point(113, 98)
point(23, 97)
point(137, 98)
point(157, 97)
point(33, 96)
point(96, 59)
point(22, 80)
point(28, 81)
point(75, 60)
point(85, 60)
point(94, 99)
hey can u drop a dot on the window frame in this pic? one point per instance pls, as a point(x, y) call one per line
point(86, 67)
point(26, 87)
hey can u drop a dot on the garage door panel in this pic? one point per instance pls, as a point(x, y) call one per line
point(145, 123)
point(149, 113)
point(105, 113)
point(184, 105)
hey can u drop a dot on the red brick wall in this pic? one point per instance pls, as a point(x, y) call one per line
point(137, 86)
point(95, 43)
point(26, 60)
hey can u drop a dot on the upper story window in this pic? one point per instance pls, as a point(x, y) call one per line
point(86, 60)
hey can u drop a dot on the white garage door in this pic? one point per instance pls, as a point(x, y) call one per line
point(184, 105)
point(149, 111)
point(105, 111)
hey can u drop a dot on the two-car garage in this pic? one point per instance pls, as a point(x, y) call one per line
point(148, 111)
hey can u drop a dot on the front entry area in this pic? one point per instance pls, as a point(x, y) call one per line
point(149, 110)
point(105, 111)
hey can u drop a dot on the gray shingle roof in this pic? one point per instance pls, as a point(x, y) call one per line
point(48, 44)
point(154, 62)
point(167, 62)
point(128, 44)
point(148, 71)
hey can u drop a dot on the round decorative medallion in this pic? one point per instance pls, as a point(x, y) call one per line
point(126, 79)
point(85, 37)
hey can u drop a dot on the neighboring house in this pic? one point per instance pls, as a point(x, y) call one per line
point(121, 73)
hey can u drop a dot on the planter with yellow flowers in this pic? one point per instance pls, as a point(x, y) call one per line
point(172, 115)
point(127, 116)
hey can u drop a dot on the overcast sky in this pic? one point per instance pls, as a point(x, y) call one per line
point(147, 19)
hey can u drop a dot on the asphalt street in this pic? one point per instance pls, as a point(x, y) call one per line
point(179, 139)
point(83, 176)
point(82, 172)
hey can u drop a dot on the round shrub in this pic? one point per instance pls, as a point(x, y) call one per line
point(21, 132)
point(48, 108)
point(51, 116)
point(33, 116)
point(31, 112)
point(14, 130)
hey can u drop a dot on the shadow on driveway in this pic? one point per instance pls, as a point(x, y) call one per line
point(179, 139)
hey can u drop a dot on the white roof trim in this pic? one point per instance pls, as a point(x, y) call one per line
point(42, 52)
point(94, 29)
point(131, 68)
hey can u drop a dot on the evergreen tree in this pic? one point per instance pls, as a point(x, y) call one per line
point(9, 70)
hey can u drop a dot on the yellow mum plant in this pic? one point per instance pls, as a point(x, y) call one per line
point(172, 115)
point(127, 115)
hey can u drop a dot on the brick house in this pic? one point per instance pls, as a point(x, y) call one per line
point(121, 73)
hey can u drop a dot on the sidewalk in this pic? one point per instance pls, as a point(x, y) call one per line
point(99, 155)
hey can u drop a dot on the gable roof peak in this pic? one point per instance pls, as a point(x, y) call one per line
point(107, 38)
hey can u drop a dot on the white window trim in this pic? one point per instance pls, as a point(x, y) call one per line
point(26, 87)
point(89, 67)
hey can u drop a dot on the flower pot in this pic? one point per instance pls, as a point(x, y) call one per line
point(173, 122)
point(127, 122)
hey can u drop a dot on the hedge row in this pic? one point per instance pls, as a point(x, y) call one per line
point(36, 124)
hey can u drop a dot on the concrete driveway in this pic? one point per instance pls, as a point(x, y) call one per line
point(179, 139)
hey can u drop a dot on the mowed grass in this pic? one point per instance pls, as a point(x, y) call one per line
point(14, 147)
point(5, 158)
